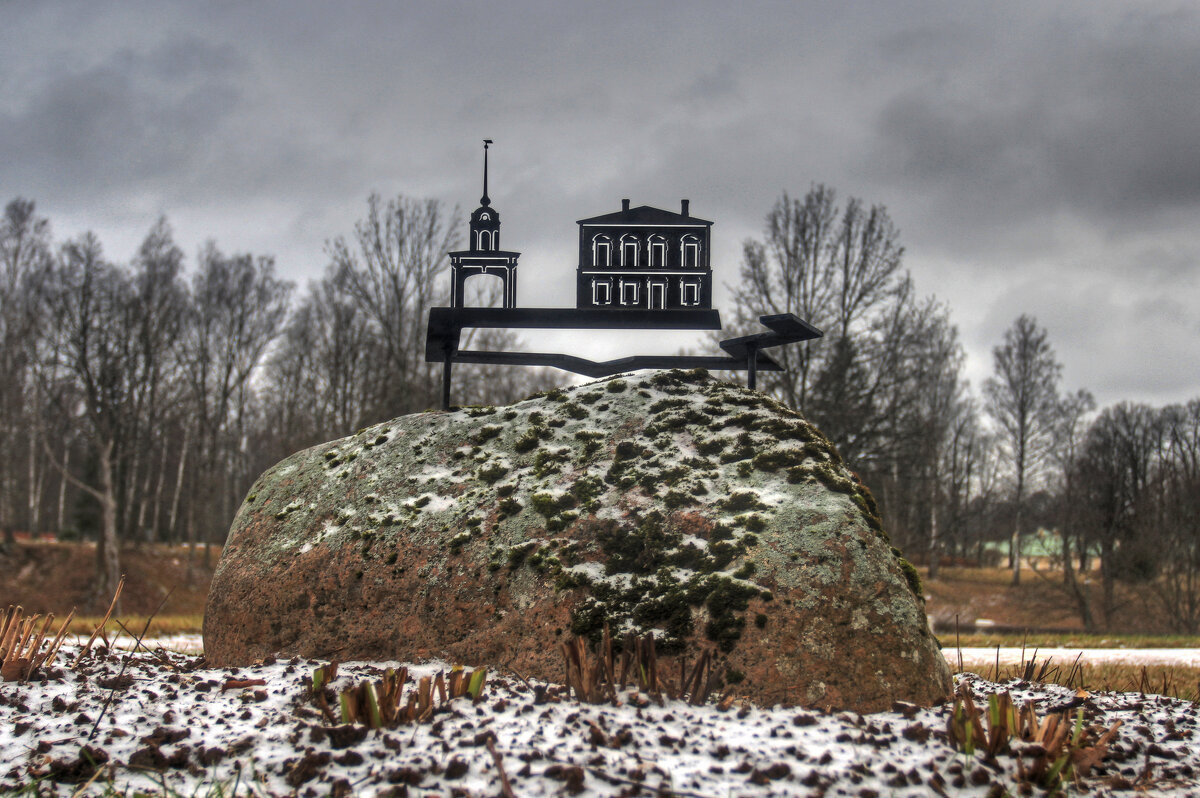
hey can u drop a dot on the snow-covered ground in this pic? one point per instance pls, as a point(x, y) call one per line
point(172, 722)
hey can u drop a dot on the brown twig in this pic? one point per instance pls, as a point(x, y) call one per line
point(11, 618)
point(21, 649)
point(505, 787)
point(162, 658)
point(517, 673)
point(32, 652)
point(125, 660)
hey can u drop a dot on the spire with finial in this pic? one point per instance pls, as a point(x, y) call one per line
point(483, 254)
point(484, 200)
point(485, 221)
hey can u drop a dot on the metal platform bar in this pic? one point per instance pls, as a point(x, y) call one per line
point(446, 324)
point(605, 368)
point(744, 353)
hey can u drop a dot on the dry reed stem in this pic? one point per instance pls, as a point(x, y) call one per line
point(382, 703)
point(60, 638)
point(21, 642)
point(596, 677)
point(12, 618)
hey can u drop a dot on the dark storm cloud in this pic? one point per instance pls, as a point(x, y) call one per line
point(179, 122)
point(130, 119)
point(1036, 158)
point(1094, 116)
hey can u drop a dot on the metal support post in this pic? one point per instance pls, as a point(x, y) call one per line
point(752, 366)
point(447, 365)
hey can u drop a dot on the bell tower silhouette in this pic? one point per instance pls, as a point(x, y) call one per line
point(484, 255)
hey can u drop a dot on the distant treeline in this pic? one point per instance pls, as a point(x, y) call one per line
point(952, 468)
point(140, 400)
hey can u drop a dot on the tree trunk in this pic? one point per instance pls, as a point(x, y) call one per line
point(183, 450)
point(126, 521)
point(935, 553)
point(107, 551)
point(158, 492)
point(1107, 592)
point(62, 488)
point(1014, 551)
point(1083, 602)
point(10, 537)
point(34, 484)
point(1015, 545)
point(143, 504)
point(190, 559)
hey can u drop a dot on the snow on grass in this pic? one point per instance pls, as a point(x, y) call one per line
point(1090, 656)
point(972, 657)
point(176, 723)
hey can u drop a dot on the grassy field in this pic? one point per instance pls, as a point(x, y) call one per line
point(1170, 680)
point(1068, 640)
point(159, 625)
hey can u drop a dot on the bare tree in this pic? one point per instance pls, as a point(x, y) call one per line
point(1072, 421)
point(936, 403)
point(393, 268)
point(1178, 523)
point(835, 267)
point(967, 462)
point(89, 339)
point(238, 307)
point(1116, 472)
point(1023, 400)
point(321, 378)
point(159, 309)
point(885, 383)
point(24, 255)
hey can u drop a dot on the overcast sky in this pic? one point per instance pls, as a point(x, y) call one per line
point(1037, 157)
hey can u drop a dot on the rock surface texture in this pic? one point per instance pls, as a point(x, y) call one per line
point(671, 502)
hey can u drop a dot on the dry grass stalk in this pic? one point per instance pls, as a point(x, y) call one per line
point(383, 703)
point(1050, 750)
point(99, 630)
point(599, 677)
point(21, 643)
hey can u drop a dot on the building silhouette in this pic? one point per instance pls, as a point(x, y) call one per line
point(644, 258)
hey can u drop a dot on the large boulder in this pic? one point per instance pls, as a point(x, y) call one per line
point(673, 503)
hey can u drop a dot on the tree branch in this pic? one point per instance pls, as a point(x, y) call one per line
point(67, 475)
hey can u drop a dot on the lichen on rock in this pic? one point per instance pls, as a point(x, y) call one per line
point(667, 502)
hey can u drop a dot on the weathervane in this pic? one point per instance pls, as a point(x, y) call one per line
point(639, 268)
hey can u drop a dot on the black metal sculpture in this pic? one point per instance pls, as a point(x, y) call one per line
point(639, 269)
